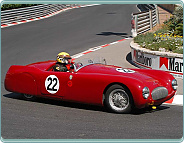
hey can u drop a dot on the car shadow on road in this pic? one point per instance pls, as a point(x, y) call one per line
point(17, 96)
point(149, 110)
point(113, 33)
point(56, 102)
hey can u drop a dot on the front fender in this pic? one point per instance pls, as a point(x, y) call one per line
point(135, 87)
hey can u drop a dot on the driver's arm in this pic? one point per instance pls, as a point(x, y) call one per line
point(60, 68)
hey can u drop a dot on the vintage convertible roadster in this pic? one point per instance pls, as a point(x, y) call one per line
point(118, 89)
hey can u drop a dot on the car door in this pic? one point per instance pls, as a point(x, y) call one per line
point(54, 84)
point(84, 87)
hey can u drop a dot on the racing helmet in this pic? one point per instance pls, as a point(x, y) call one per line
point(63, 58)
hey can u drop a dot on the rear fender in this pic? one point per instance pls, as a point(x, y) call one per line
point(19, 80)
point(21, 83)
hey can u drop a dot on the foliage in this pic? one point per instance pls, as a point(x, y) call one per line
point(14, 6)
point(168, 38)
point(175, 23)
point(159, 40)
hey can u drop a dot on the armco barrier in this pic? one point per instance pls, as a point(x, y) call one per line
point(169, 62)
point(144, 21)
point(29, 13)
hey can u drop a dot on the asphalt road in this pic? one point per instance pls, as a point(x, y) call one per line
point(75, 31)
point(50, 119)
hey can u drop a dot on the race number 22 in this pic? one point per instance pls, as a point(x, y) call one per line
point(52, 84)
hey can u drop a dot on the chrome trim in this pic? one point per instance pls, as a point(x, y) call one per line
point(145, 91)
point(174, 85)
point(159, 93)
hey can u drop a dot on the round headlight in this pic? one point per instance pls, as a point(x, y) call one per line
point(174, 84)
point(145, 92)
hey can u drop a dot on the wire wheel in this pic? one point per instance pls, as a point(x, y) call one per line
point(118, 99)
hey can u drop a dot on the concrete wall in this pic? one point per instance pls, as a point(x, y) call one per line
point(166, 61)
point(168, 7)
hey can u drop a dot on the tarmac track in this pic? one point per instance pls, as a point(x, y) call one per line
point(75, 31)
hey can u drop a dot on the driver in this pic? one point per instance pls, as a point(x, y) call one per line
point(64, 62)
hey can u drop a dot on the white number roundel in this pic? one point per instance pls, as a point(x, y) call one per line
point(52, 84)
point(125, 70)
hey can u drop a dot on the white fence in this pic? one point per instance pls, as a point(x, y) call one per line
point(20, 14)
point(144, 21)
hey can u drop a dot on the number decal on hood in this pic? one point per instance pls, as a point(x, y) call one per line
point(52, 84)
point(124, 70)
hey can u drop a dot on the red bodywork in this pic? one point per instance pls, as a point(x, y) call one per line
point(88, 84)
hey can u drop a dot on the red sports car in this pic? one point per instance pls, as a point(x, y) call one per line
point(116, 88)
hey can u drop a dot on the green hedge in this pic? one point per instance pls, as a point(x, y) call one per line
point(14, 6)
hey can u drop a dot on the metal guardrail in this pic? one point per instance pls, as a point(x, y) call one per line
point(21, 14)
point(144, 21)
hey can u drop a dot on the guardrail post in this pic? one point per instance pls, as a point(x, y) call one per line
point(134, 25)
point(157, 14)
point(151, 20)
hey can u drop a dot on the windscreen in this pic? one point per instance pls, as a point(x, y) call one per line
point(80, 63)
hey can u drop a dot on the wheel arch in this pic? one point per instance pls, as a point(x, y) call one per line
point(116, 83)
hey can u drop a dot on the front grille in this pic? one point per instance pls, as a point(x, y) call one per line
point(159, 93)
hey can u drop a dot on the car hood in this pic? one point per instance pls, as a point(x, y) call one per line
point(144, 75)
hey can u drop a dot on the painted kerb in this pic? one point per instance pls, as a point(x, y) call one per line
point(166, 61)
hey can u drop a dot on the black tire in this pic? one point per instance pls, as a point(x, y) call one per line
point(118, 99)
point(29, 97)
